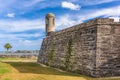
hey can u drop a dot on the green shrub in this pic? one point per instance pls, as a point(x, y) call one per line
point(68, 54)
point(51, 55)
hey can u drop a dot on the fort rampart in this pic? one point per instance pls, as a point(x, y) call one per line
point(91, 48)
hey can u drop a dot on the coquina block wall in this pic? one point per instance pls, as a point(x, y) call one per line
point(91, 48)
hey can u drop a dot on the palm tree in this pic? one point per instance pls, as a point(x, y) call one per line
point(7, 46)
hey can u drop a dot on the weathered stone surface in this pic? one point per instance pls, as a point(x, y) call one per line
point(108, 50)
point(95, 48)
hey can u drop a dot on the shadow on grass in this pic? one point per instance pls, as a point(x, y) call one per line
point(29, 67)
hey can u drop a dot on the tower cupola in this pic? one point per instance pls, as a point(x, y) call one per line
point(50, 24)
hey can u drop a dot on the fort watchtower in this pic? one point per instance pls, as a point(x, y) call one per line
point(50, 23)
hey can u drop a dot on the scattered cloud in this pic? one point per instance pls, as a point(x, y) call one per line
point(17, 33)
point(93, 2)
point(116, 19)
point(20, 30)
point(70, 5)
point(113, 11)
point(67, 20)
point(21, 25)
point(10, 15)
point(107, 12)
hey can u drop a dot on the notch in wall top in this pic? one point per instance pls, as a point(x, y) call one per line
point(116, 20)
point(104, 21)
point(99, 21)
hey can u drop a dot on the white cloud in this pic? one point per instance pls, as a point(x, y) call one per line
point(66, 21)
point(8, 29)
point(23, 5)
point(10, 15)
point(29, 5)
point(116, 19)
point(22, 44)
point(70, 5)
point(92, 2)
point(114, 11)
point(62, 22)
point(21, 25)
point(21, 40)
point(107, 12)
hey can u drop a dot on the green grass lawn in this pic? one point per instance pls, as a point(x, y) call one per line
point(17, 59)
point(33, 71)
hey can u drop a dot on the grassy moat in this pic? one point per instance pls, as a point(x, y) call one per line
point(34, 71)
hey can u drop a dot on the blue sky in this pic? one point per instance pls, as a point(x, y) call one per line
point(22, 22)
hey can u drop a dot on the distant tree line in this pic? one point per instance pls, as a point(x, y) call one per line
point(8, 46)
point(26, 51)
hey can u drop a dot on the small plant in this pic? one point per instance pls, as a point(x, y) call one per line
point(4, 70)
point(6, 79)
point(68, 55)
point(51, 55)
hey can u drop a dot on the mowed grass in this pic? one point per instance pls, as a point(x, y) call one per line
point(17, 59)
point(34, 71)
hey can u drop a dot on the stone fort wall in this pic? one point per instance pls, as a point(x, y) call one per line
point(108, 49)
point(93, 47)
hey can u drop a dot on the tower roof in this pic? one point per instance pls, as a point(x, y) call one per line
point(50, 15)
